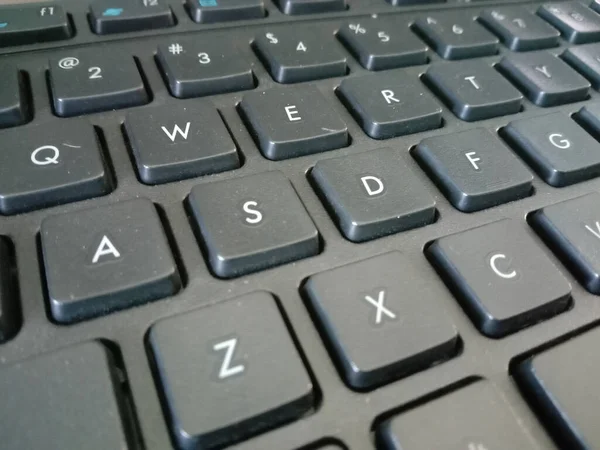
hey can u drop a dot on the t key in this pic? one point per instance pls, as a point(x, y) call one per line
point(83, 82)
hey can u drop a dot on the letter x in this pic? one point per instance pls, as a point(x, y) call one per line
point(381, 309)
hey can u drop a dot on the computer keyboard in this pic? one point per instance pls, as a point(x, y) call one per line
point(299, 224)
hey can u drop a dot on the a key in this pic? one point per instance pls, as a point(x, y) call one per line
point(572, 230)
point(237, 357)
point(456, 39)
point(9, 307)
point(520, 30)
point(14, 109)
point(252, 223)
point(85, 81)
point(50, 164)
point(371, 314)
point(560, 383)
point(485, 422)
point(577, 23)
point(474, 169)
point(294, 7)
point(373, 194)
point(108, 16)
point(558, 149)
point(300, 54)
point(501, 277)
point(213, 11)
point(29, 24)
point(390, 104)
point(545, 79)
point(474, 90)
point(179, 142)
point(195, 68)
point(68, 399)
point(382, 44)
point(104, 259)
point(586, 60)
point(287, 123)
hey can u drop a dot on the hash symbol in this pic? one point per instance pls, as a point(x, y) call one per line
point(175, 49)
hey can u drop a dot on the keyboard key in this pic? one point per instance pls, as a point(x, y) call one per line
point(212, 11)
point(485, 422)
point(545, 79)
point(50, 164)
point(372, 314)
point(577, 23)
point(106, 18)
point(373, 194)
point(14, 109)
point(501, 277)
point(474, 90)
point(29, 24)
point(69, 399)
point(10, 320)
point(520, 30)
point(457, 39)
point(252, 223)
point(297, 54)
point(86, 81)
point(572, 230)
point(288, 123)
point(294, 7)
point(390, 104)
point(474, 169)
point(382, 44)
point(105, 259)
point(558, 149)
point(175, 143)
point(586, 60)
point(237, 357)
point(194, 68)
point(561, 385)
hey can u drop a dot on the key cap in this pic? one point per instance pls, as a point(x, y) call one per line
point(236, 356)
point(83, 82)
point(390, 104)
point(373, 194)
point(559, 150)
point(371, 313)
point(300, 54)
point(589, 117)
point(474, 169)
point(195, 68)
point(474, 90)
point(10, 320)
point(29, 24)
point(104, 259)
point(14, 109)
point(572, 230)
point(520, 30)
point(544, 79)
point(50, 164)
point(171, 144)
point(211, 11)
point(289, 123)
point(560, 384)
point(456, 39)
point(586, 60)
point(485, 421)
point(577, 23)
point(501, 277)
point(252, 223)
point(67, 399)
point(381, 44)
point(294, 7)
point(108, 16)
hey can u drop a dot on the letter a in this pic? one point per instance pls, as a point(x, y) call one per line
point(105, 248)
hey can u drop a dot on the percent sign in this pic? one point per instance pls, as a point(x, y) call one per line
point(357, 28)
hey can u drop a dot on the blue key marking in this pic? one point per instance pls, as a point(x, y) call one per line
point(113, 12)
point(3, 24)
point(207, 2)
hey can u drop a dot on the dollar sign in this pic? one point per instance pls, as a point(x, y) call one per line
point(272, 39)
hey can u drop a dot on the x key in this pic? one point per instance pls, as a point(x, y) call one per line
point(381, 309)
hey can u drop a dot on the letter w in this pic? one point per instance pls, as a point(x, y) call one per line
point(176, 130)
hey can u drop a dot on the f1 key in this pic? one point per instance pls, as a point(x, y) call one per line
point(28, 24)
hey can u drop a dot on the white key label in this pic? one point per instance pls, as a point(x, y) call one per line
point(227, 370)
point(502, 274)
point(381, 311)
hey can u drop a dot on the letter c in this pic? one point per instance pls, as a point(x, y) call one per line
point(505, 275)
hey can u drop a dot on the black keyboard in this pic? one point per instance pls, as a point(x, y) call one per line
point(299, 224)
